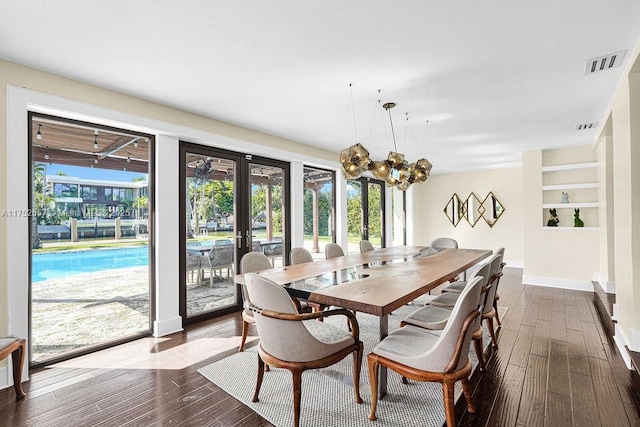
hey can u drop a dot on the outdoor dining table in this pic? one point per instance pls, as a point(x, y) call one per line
point(375, 282)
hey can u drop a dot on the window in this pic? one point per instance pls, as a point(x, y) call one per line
point(65, 190)
point(88, 192)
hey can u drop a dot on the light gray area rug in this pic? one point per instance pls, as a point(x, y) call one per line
point(327, 401)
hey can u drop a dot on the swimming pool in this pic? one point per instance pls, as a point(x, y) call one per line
point(54, 265)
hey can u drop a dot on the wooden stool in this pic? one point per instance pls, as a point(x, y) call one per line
point(16, 347)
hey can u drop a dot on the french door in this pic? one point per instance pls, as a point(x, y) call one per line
point(231, 204)
point(365, 212)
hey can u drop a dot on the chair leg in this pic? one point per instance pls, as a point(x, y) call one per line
point(449, 409)
point(259, 380)
point(495, 307)
point(471, 408)
point(17, 360)
point(357, 365)
point(492, 332)
point(245, 331)
point(373, 381)
point(477, 344)
point(297, 395)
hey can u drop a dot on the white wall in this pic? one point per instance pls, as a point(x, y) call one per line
point(431, 197)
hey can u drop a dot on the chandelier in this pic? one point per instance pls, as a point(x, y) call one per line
point(394, 170)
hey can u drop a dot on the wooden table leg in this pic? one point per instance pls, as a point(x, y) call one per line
point(382, 383)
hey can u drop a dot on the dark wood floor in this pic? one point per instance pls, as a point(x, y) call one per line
point(555, 367)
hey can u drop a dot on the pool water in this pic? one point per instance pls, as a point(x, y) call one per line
point(54, 265)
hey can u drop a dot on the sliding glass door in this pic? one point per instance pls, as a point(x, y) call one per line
point(231, 204)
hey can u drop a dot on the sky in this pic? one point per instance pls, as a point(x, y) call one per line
point(93, 173)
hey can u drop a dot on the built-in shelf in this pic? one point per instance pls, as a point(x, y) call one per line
point(570, 167)
point(569, 228)
point(570, 186)
point(570, 205)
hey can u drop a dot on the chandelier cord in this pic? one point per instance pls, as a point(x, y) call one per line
point(353, 113)
point(393, 134)
point(373, 121)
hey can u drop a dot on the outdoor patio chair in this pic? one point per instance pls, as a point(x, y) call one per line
point(15, 347)
point(193, 265)
point(288, 339)
point(218, 258)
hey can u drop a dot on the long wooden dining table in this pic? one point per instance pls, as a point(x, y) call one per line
point(376, 282)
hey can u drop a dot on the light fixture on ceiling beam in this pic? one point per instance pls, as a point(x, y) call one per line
point(39, 134)
point(95, 139)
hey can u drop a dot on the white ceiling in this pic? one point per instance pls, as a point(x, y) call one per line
point(493, 78)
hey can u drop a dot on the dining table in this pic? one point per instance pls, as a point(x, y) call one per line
point(375, 282)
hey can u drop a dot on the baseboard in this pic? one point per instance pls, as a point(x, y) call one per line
point(622, 343)
point(514, 264)
point(608, 287)
point(552, 282)
point(604, 307)
point(166, 327)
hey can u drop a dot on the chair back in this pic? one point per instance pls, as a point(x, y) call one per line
point(221, 255)
point(444, 243)
point(365, 246)
point(254, 261)
point(288, 340)
point(451, 351)
point(333, 250)
point(300, 256)
point(494, 277)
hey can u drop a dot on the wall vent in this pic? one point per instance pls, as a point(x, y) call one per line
point(603, 63)
point(585, 126)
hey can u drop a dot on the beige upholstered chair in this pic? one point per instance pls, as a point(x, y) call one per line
point(16, 348)
point(300, 256)
point(448, 299)
point(333, 250)
point(297, 342)
point(435, 317)
point(250, 263)
point(422, 355)
point(497, 297)
point(444, 243)
point(365, 246)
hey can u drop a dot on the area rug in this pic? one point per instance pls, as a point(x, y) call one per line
point(326, 401)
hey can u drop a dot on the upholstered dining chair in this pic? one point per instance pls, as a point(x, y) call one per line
point(444, 243)
point(333, 250)
point(421, 355)
point(365, 246)
point(300, 256)
point(448, 299)
point(497, 297)
point(250, 263)
point(435, 317)
point(295, 341)
point(15, 347)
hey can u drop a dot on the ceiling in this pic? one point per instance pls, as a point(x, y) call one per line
point(491, 78)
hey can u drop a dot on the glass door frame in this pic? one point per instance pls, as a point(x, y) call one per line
point(151, 242)
point(364, 201)
point(242, 217)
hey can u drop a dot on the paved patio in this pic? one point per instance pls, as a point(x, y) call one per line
point(92, 308)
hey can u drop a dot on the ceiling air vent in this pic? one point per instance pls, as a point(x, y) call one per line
point(603, 63)
point(585, 126)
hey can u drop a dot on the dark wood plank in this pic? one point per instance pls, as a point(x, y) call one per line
point(558, 368)
point(522, 347)
point(592, 341)
point(586, 413)
point(578, 361)
point(545, 309)
point(558, 411)
point(540, 342)
point(531, 314)
point(572, 317)
point(534, 392)
point(505, 408)
point(558, 326)
point(610, 406)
